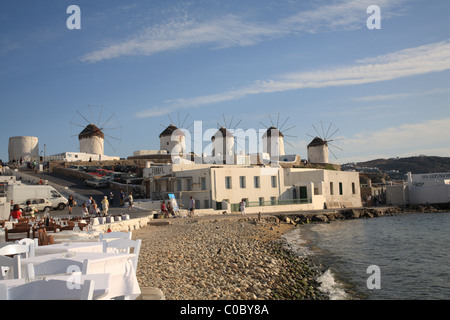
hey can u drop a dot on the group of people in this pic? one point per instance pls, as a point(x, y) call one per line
point(168, 210)
point(90, 207)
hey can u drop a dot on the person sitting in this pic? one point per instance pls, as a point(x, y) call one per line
point(29, 209)
point(16, 213)
point(170, 208)
point(164, 210)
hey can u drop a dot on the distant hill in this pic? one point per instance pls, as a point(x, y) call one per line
point(421, 164)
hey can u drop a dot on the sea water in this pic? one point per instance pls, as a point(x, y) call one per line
point(406, 256)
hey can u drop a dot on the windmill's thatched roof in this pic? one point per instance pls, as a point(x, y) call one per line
point(268, 133)
point(169, 131)
point(91, 131)
point(317, 142)
point(222, 131)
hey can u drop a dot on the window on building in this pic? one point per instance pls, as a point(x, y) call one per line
point(331, 188)
point(242, 181)
point(203, 183)
point(341, 190)
point(273, 200)
point(206, 204)
point(256, 181)
point(188, 184)
point(353, 188)
point(261, 201)
point(227, 182)
point(179, 188)
point(273, 180)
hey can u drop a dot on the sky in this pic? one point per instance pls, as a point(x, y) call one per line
point(134, 67)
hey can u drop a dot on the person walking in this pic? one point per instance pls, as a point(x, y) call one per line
point(71, 204)
point(111, 199)
point(122, 198)
point(130, 201)
point(105, 206)
point(191, 207)
point(242, 207)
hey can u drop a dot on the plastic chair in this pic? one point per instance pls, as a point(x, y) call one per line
point(115, 235)
point(31, 245)
point(6, 263)
point(57, 266)
point(48, 290)
point(124, 246)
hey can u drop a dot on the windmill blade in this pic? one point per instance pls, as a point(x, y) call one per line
point(323, 132)
point(333, 133)
point(278, 120)
point(328, 130)
point(107, 121)
point(311, 136)
point(289, 144)
point(100, 115)
point(178, 115)
point(90, 111)
point(182, 125)
point(110, 145)
point(283, 124)
point(76, 124)
point(171, 121)
point(264, 125)
point(117, 139)
point(237, 124)
point(332, 153)
point(290, 136)
point(270, 119)
point(318, 134)
point(88, 122)
point(231, 121)
point(112, 128)
point(334, 146)
point(289, 128)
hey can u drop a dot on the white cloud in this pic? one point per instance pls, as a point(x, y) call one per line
point(424, 59)
point(430, 137)
point(231, 30)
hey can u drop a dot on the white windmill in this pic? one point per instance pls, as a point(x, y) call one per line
point(324, 141)
point(273, 138)
point(97, 125)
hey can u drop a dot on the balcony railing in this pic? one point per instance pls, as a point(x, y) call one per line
point(235, 207)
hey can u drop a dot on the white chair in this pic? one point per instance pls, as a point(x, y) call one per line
point(48, 290)
point(115, 235)
point(31, 244)
point(57, 266)
point(124, 246)
point(6, 262)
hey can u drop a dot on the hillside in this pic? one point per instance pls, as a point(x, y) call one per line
point(421, 164)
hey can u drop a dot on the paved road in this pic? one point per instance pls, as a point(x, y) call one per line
point(68, 185)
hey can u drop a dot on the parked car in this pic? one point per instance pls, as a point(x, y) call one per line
point(81, 168)
point(40, 204)
point(100, 172)
point(97, 183)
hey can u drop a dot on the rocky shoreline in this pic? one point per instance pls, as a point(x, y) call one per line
point(232, 258)
point(345, 214)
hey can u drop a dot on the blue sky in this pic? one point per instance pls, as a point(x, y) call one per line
point(301, 63)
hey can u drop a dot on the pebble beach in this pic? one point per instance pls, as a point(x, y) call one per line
point(224, 258)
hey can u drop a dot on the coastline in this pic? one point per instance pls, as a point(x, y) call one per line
point(225, 258)
point(234, 257)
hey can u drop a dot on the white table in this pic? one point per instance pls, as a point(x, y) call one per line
point(123, 276)
point(70, 235)
point(72, 247)
point(102, 282)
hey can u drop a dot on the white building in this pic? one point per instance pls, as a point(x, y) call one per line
point(78, 156)
point(23, 147)
point(173, 141)
point(265, 188)
point(431, 188)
